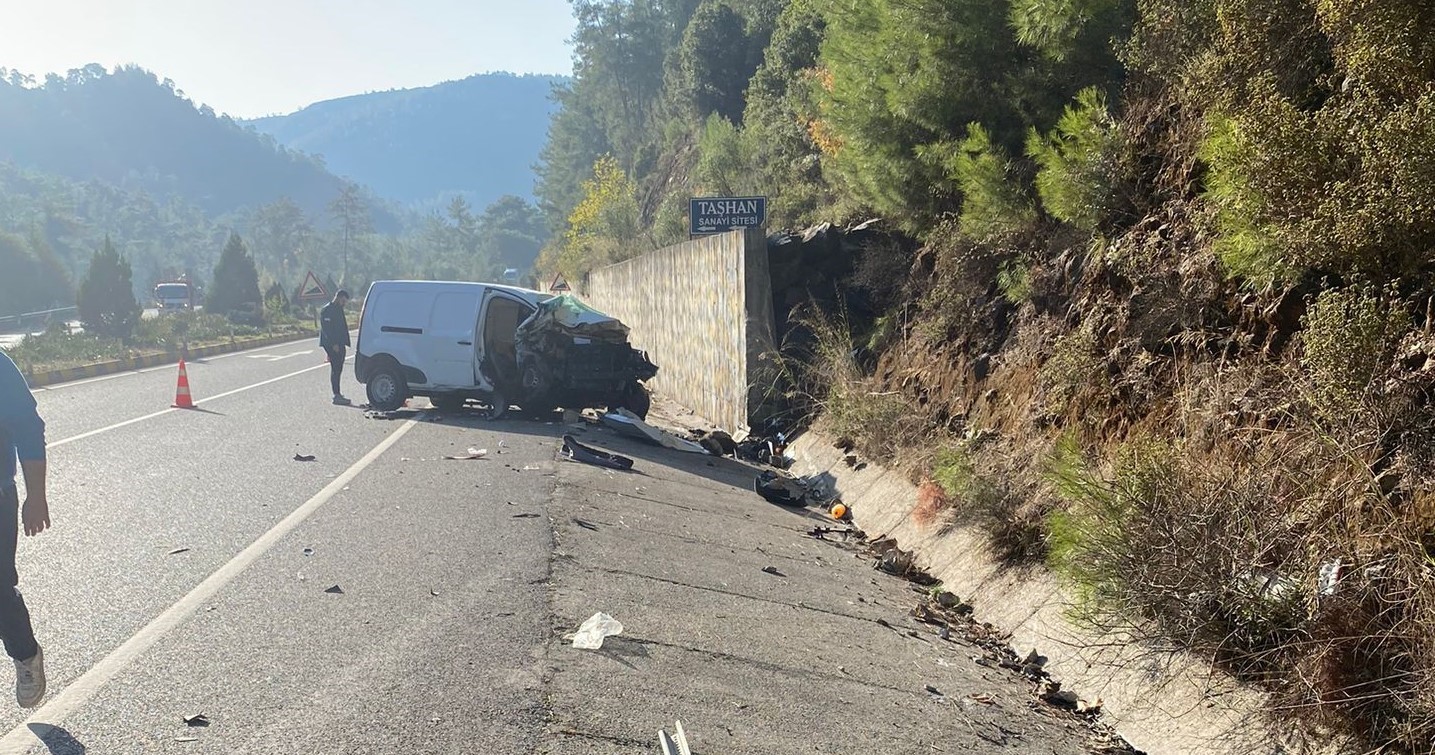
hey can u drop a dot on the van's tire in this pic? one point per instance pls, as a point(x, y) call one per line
point(635, 399)
point(387, 389)
point(449, 403)
point(537, 399)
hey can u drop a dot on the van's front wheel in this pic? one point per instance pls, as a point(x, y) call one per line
point(635, 399)
point(387, 389)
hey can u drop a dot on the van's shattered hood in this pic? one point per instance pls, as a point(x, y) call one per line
point(567, 315)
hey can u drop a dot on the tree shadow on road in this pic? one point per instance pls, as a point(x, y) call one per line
point(58, 740)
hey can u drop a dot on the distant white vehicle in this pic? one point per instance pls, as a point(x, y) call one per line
point(449, 341)
point(174, 295)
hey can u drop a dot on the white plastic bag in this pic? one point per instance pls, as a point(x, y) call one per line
point(599, 626)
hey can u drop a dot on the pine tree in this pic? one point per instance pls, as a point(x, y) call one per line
point(236, 280)
point(107, 298)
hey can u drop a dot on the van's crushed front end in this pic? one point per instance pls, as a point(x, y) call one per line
point(574, 356)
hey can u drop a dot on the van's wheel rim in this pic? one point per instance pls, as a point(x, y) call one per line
point(385, 387)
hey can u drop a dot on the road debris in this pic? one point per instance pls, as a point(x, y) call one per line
point(526, 516)
point(676, 743)
point(626, 423)
point(773, 571)
point(335, 590)
point(598, 627)
point(717, 442)
point(178, 551)
point(308, 551)
point(578, 452)
point(473, 453)
point(899, 563)
point(781, 489)
point(196, 720)
point(770, 450)
point(302, 457)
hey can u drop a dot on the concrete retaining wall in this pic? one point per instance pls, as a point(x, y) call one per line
point(703, 312)
point(1164, 703)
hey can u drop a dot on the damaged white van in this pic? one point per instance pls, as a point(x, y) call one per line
point(498, 345)
point(451, 341)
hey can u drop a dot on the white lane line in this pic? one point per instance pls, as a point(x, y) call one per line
point(162, 412)
point(79, 692)
point(278, 357)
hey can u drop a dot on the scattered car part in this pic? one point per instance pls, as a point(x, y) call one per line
point(581, 453)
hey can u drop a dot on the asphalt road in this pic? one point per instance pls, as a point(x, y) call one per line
point(384, 599)
point(188, 568)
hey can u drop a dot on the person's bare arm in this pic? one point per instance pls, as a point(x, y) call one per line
point(35, 514)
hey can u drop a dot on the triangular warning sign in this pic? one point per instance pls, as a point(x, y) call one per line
point(559, 284)
point(312, 289)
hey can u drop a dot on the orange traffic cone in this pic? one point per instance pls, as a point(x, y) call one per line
point(182, 399)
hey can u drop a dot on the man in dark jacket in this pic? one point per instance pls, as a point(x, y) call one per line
point(22, 434)
point(334, 339)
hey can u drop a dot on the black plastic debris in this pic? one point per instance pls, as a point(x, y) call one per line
point(335, 590)
point(773, 571)
point(717, 442)
point(196, 720)
point(781, 489)
point(581, 453)
point(302, 457)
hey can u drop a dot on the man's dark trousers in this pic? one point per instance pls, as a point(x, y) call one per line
point(336, 366)
point(15, 628)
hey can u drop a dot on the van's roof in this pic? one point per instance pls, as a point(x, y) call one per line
point(515, 290)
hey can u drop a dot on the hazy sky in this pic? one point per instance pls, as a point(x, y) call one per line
point(260, 57)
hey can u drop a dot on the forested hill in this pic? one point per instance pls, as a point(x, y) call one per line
point(130, 129)
point(1151, 298)
point(478, 137)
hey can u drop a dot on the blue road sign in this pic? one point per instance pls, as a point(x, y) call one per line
point(708, 215)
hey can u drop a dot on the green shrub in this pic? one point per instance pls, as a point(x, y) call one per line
point(1180, 547)
point(1014, 281)
point(1342, 189)
point(992, 203)
point(1054, 27)
point(1078, 162)
point(1076, 364)
point(723, 168)
point(1351, 336)
point(106, 299)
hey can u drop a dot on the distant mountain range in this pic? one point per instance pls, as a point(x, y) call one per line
point(131, 130)
point(478, 137)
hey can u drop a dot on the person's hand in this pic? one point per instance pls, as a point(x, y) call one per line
point(35, 514)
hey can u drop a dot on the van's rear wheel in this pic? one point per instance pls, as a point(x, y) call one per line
point(387, 389)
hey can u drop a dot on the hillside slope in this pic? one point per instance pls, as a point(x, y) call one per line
point(478, 137)
point(129, 129)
